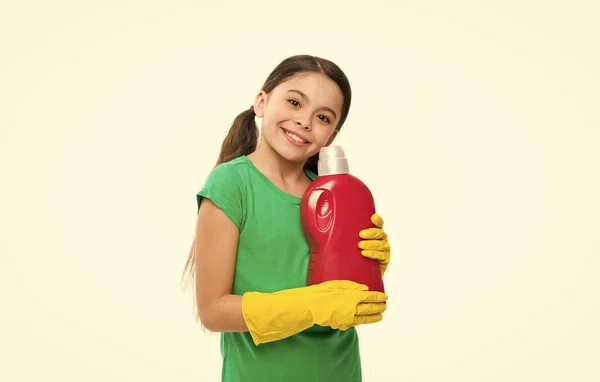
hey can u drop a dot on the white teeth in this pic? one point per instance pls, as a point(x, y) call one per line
point(295, 137)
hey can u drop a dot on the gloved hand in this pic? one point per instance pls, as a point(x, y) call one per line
point(339, 304)
point(375, 243)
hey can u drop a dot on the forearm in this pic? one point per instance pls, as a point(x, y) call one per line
point(224, 315)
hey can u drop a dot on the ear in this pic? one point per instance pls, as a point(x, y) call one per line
point(260, 102)
point(332, 137)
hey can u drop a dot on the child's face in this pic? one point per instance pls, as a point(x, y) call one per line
point(300, 115)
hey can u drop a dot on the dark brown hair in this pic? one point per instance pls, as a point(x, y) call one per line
point(242, 137)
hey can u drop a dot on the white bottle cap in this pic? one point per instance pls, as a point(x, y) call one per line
point(332, 160)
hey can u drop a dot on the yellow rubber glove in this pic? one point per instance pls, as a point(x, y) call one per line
point(375, 243)
point(339, 304)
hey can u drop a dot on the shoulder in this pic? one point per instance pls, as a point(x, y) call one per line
point(235, 173)
point(229, 172)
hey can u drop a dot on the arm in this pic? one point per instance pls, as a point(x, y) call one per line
point(215, 248)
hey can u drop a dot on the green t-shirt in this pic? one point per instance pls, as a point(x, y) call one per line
point(273, 255)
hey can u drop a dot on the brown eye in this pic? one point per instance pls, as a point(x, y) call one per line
point(294, 102)
point(324, 118)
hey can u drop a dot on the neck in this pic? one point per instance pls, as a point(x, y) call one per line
point(274, 166)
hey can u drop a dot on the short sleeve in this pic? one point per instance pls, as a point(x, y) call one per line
point(224, 188)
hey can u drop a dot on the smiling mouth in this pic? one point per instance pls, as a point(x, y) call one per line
point(294, 136)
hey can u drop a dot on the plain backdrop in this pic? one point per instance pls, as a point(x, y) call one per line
point(475, 124)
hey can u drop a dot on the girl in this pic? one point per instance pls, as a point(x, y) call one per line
point(250, 256)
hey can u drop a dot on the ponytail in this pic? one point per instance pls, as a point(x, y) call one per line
point(242, 137)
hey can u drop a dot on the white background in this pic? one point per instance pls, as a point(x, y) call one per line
point(475, 124)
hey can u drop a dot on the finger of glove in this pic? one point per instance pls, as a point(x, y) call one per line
point(383, 267)
point(367, 296)
point(374, 245)
point(373, 318)
point(377, 220)
point(345, 285)
point(372, 233)
point(366, 309)
point(375, 255)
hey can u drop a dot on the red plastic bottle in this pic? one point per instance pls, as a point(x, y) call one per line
point(333, 210)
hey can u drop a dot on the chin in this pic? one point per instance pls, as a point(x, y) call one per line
point(293, 154)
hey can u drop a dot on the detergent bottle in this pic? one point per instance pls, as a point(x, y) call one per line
point(333, 210)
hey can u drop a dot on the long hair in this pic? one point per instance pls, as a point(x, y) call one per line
point(242, 137)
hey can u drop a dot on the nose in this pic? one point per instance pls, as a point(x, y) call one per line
point(303, 124)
